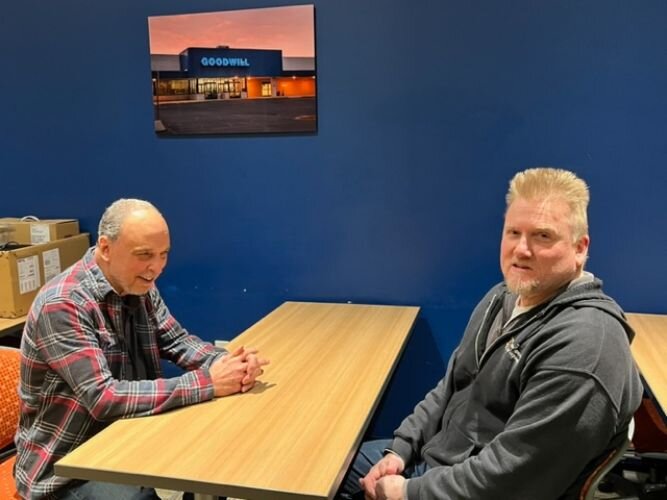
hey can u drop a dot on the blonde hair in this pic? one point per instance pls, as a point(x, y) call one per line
point(544, 182)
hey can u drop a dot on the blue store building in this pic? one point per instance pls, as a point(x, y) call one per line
point(225, 73)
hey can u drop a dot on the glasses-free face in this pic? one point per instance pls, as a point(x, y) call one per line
point(538, 253)
point(135, 259)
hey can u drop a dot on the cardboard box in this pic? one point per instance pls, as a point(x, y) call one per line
point(23, 271)
point(6, 232)
point(43, 231)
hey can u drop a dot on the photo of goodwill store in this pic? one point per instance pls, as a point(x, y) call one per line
point(227, 73)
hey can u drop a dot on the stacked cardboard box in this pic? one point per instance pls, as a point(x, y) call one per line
point(37, 252)
point(32, 232)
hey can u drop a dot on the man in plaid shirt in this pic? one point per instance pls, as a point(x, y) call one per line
point(91, 353)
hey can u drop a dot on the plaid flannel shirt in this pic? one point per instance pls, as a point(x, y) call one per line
point(74, 365)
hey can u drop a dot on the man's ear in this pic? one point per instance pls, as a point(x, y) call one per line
point(104, 247)
point(581, 248)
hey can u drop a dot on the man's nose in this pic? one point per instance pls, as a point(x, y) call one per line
point(523, 247)
point(156, 265)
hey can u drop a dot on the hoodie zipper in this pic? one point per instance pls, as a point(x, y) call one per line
point(513, 349)
point(479, 330)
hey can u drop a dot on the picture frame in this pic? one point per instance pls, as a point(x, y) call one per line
point(250, 71)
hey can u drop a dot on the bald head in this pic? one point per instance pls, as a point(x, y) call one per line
point(132, 246)
point(115, 215)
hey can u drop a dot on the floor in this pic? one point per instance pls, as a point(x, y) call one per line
point(631, 486)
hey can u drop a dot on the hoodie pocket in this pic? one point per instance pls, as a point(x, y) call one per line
point(453, 443)
point(450, 447)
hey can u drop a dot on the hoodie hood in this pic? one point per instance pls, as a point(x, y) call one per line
point(590, 294)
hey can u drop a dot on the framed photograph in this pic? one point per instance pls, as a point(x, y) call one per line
point(248, 71)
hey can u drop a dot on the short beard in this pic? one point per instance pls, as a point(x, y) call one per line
point(522, 287)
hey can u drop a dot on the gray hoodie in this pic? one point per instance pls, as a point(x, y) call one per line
point(531, 415)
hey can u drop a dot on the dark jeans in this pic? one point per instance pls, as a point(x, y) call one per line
point(370, 453)
point(94, 490)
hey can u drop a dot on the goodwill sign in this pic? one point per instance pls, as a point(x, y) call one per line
point(225, 62)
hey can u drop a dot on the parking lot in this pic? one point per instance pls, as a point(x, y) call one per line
point(238, 116)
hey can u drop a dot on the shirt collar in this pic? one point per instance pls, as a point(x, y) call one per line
point(101, 285)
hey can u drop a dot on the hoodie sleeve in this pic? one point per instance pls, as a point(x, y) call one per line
point(424, 422)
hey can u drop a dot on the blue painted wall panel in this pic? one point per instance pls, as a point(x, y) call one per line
point(425, 110)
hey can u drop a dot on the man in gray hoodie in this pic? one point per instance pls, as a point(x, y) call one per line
point(542, 386)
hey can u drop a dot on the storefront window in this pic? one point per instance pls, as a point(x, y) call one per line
point(266, 89)
point(174, 87)
point(220, 87)
point(212, 88)
point(208, 87)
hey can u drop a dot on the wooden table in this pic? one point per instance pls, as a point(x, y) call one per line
point(9, 326)
point(292, 437)
point(649, 348)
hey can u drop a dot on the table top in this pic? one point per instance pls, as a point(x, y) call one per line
point(9, 325)
point(649, 348)
point(292, 436)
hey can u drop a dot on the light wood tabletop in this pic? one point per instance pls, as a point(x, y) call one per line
point(291, 437)
point(11, 325)
point(649, 348)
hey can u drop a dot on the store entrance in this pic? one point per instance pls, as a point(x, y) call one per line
point(221, 88)
point(209, 89)
point(232, 87)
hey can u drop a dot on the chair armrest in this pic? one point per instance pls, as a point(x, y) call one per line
point(7, 453)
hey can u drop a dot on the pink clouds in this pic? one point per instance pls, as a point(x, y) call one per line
point(288, 28)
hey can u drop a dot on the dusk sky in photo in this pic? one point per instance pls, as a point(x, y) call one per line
point(290, 29)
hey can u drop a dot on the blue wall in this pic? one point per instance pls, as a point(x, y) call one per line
point(426, 109)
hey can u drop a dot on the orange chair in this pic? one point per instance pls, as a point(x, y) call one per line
point(9, 417)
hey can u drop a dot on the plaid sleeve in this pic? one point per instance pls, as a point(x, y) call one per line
point(79, 350)
point(176, 344)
